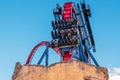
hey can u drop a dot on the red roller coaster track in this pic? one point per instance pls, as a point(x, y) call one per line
point(43, 43)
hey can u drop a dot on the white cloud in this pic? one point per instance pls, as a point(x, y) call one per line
point(117, 70)
point(114, 74)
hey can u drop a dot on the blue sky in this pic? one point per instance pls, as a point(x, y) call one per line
point(24, 23)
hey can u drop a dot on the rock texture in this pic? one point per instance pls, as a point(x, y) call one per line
point(73, 70)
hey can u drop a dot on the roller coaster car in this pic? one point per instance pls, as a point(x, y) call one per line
point(64, 26)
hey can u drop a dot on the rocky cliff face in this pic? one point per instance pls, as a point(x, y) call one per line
point(73, 70)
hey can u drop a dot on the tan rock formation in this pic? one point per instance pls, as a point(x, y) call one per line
point(73, 70)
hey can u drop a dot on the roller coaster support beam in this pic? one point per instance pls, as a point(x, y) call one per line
point(45, 53)
point(81, 50)
point(94, 60)
point(87, 14)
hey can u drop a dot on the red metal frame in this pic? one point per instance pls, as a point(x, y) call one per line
point(67, 56)
point(67, 11)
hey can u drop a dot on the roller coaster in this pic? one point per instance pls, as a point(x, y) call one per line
point(72, 37)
